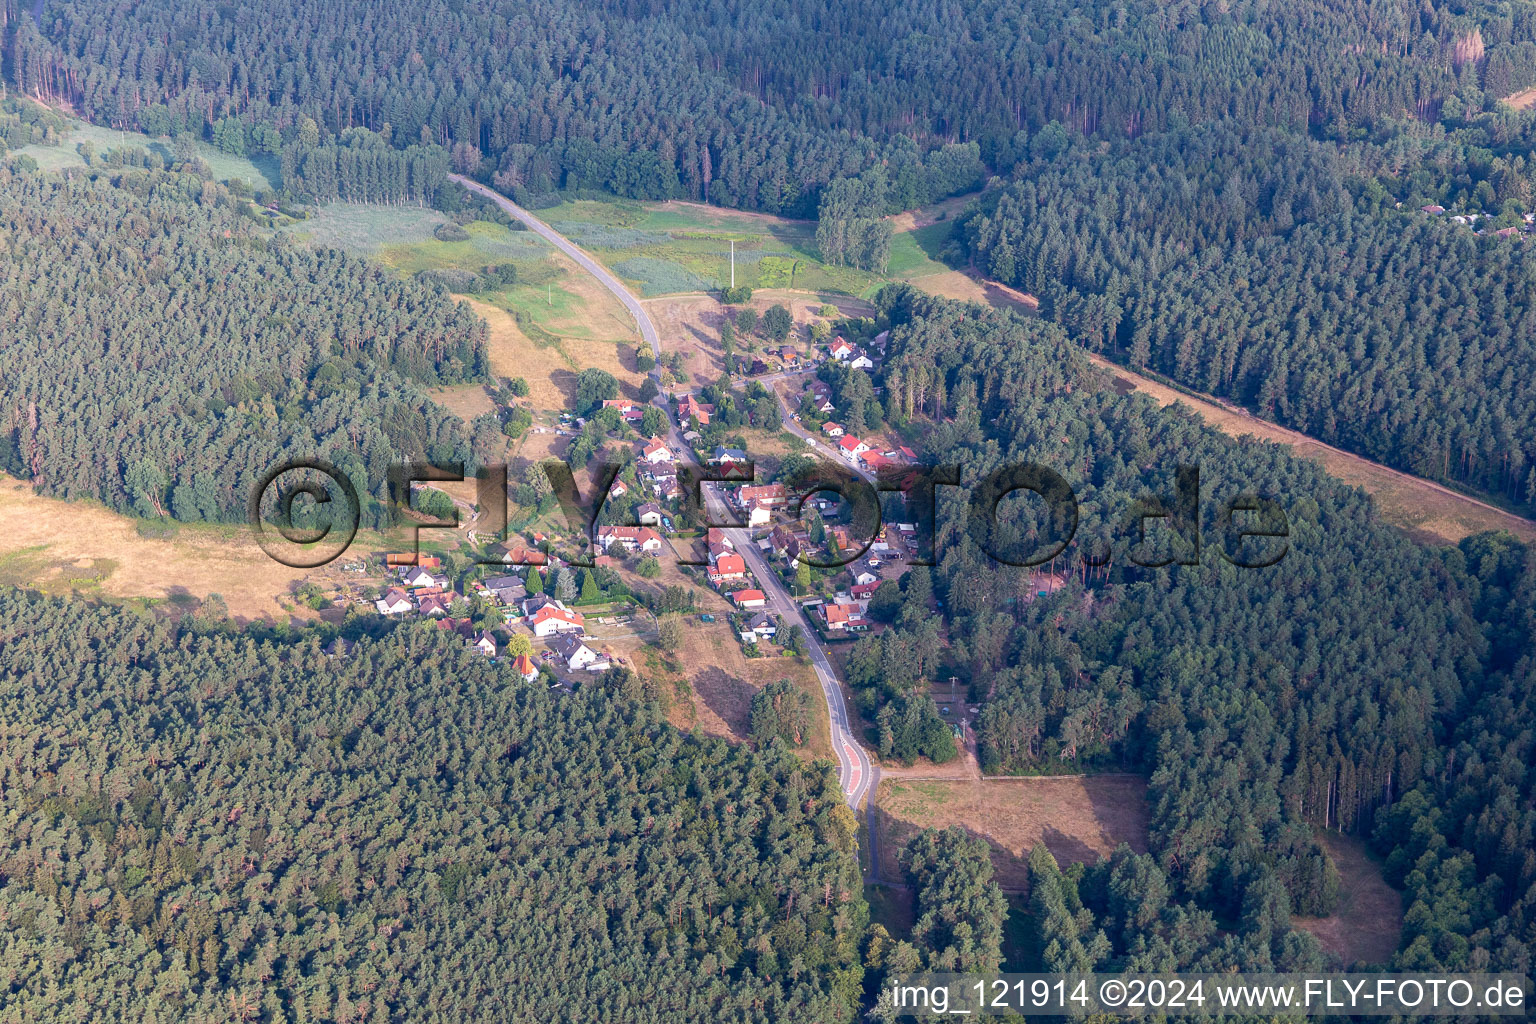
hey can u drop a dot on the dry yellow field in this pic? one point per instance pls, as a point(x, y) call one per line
point(61, 547)
point(550, 368)
point(1079, 818)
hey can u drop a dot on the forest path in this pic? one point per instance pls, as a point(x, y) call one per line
point(1419, 505)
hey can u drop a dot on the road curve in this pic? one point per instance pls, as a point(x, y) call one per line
point(587, 263)
point(857, 775)
point(855, 772)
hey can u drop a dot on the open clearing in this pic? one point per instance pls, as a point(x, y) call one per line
point(1080, 818)
point(548, 363)
point(62, 546)
point(715, 695)
point(1367, 926)
point(1522, 99)
point(1425, 509)
point(259, 172)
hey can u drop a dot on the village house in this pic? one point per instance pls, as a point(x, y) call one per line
point(861, 361)
point(873, 461)
point(631, 412)
point(485, 643)
point(619, 488)
point(769, 495)
point(649, 514)
point(840, 349)
point(862, 592)
point(525, 667)
point(832, 430)
point(515, 552)
point(749, 598)
point(630, 538)
point(394, 602)
point(786, 543)
point(433, 605)
point(852, 447)
point(398, 561)
point(759, 515)
point(762, 624)
point(555, 618)
point(415, 576)
point(577, 655)
point(723, 456)
point(843, 617)
point(727, 567)
point(691, 410)
point(656, 451)
point(507, 590)
point(717, 542)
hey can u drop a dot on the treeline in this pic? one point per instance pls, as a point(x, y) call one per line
point(1261, 703)
point(363, 168)
point(758, 108)
point(204, 825)
point(1240, 264)
point(161, 355)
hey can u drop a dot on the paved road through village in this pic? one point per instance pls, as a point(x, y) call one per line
point(857, 775)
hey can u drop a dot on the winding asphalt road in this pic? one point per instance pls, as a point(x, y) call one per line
point(855, 772)
point(854, 769)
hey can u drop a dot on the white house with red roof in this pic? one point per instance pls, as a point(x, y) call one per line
point(630, 538)
point(630, 411)
point(832, 430)
point(729, 566)
point(840, 349)
point(655, 450)
point(749, 598)
point(556, 618)
point(852, 447)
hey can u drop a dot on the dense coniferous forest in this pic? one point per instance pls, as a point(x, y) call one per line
point(1258, 266)
point(1363, 683)
point(753, 107)
point(201, 825)
point(161, 354)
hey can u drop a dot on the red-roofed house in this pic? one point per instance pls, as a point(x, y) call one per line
point(843, 616)
point(832, 430)
point(694, 411)
point(655, 450)
point(554, 618)
point(852, 446)
point(630, 411)
point(864, 591)
point(524, 666)
point(840, 349)
point(768, 495)
point(631, 538)
point(729, 567)
point(749, 598)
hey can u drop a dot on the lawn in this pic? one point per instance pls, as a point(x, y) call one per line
point(259, 171)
